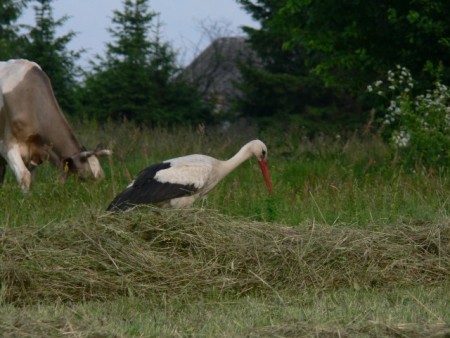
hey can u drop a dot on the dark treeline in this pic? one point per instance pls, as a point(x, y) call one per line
point(315, 60)
point(136, 79)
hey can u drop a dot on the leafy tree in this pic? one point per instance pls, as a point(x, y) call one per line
point(356, 41)
point(135, 79)
point(52, 54)
point(333, 49)
point(359, 40)
point(282, 89)
point(10, 40)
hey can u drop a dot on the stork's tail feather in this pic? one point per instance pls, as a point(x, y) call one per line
point(121, 202)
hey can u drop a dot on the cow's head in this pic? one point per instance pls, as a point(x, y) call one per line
point(86, 164)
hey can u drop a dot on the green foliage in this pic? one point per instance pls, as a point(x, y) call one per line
point(10, 41)
point(52, 54)
point(137, 78)
point(327, 51)
point(417, 125)
point(282, 87)
point(355, 40)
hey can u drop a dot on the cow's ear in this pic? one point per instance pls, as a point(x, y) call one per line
point(68, 165)
point(103, 152)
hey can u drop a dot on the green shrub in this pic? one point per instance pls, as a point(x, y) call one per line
point(416, 125)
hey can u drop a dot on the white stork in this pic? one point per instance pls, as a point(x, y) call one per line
point(179, 182)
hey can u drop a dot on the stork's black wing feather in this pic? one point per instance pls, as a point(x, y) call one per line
point(146, 190)
point(149, 173)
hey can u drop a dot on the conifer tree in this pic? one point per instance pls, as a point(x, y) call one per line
point(281, 89)
point(52, 54)
point(10, 40)
point(135, 78)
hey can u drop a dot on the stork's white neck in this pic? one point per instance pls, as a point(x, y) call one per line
point(242, 155)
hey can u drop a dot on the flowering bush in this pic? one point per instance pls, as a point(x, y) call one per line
point(417, 126)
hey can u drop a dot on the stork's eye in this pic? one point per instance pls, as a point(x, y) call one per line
point(263, 153)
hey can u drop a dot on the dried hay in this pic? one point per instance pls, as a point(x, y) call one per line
point(141, 253)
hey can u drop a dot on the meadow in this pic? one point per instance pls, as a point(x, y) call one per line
point(349, 245)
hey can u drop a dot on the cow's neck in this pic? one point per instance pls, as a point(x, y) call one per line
point(63, 142)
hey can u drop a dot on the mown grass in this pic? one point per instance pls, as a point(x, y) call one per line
point(199, 252)
point(349, 245)
point(307, 313)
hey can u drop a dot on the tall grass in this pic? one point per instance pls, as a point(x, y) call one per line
point(334, 181)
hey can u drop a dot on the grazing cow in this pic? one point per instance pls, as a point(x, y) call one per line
point(33, 128)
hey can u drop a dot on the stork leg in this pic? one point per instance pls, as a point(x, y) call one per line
point(204, 201)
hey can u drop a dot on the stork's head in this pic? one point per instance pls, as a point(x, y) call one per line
point(259, 150)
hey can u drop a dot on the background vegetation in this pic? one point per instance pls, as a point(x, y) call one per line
point(136, 79)
point(327, 52)
point(315, 61)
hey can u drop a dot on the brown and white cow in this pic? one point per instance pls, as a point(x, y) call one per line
point(33, 128)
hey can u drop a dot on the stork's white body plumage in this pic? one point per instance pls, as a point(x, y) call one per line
point(179, 182)
point(192, 170)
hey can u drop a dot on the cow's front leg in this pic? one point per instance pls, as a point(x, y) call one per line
point(17, 165)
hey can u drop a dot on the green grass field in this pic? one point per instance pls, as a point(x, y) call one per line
point(349, 245)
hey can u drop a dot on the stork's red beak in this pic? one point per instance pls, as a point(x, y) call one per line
point(265, 171)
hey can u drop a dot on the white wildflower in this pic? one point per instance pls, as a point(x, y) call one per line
point(401, 138)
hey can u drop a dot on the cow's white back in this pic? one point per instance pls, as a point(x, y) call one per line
point(12, 73)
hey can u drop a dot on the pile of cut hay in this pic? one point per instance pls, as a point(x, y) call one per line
point(142, 252)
